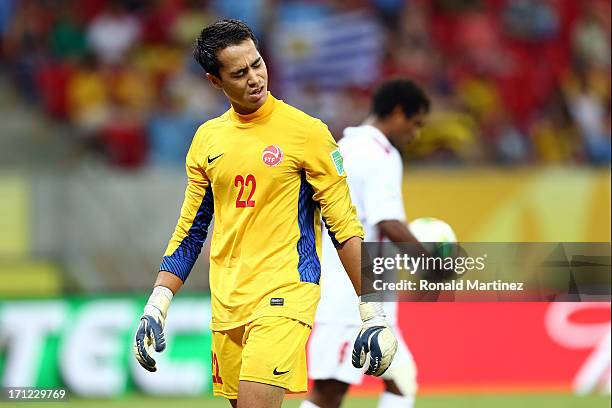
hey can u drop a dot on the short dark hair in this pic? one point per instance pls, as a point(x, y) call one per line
point(400, 92)
point(215, 38)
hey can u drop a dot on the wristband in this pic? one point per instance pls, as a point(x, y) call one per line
point(371, 297)
point(372, 314)
point(160, 299)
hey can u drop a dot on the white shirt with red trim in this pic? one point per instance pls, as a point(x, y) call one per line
point(374, 171)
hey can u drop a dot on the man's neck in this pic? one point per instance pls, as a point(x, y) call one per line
point(381, 126)
point(241, 110)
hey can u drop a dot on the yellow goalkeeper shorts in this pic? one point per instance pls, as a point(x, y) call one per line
point(269, 350)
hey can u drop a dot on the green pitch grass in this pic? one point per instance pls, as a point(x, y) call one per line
point(446, 401)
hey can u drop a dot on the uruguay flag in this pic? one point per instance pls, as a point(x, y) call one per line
point(331, 51)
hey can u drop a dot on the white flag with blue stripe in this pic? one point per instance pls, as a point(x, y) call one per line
point(332, 52)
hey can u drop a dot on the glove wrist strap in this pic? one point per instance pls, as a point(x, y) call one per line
point(372, 313)
point(371, 297)
point(160, 299)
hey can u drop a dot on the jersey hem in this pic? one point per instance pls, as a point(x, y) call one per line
point(224, 326)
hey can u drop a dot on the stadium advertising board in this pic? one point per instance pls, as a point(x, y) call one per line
point(84, 344)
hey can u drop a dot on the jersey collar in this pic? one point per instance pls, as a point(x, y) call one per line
point(380, 138)
point(264, 111)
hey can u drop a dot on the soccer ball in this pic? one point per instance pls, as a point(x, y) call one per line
point(429, 229)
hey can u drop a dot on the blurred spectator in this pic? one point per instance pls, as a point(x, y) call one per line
point(531, 20)
point(7, 10)
point(589, 112)
point(390, 11)
point(188, 24)
point(554, 136)
point(88, 97)
point(501, 137)
point(25, 45)
point(510, 144)
point(134, 89)
point(591, 34)
point(170, 130)
point(112, 33)
point(291, 12)
point(449, 137)
point(124, 139)
point(67, 38)
point(52, 80)
point(195, 94)
point(480, 96)
point(249, 11)
point(157, 21)
point(409, 51)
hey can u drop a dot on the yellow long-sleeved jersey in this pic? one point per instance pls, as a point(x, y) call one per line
point(268, 177)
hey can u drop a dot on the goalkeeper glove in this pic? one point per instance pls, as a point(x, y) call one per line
point(374, 339)
point(150, 333)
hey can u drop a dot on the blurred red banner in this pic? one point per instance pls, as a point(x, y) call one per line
point(506, 346)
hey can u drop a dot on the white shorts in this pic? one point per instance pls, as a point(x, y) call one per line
point(330, 349)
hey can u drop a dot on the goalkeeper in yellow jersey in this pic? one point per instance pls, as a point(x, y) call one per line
point(269, 174)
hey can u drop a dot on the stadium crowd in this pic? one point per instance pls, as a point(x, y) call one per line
point(512, 81)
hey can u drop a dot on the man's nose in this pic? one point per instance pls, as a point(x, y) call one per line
point(252, 78)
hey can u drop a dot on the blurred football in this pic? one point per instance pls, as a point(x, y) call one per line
point(429, 229)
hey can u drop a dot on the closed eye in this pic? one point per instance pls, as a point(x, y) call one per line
point(241, 72)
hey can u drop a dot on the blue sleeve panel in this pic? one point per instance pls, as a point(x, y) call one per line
point(184, 257)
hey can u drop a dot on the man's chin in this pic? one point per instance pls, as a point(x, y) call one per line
point(259, 99)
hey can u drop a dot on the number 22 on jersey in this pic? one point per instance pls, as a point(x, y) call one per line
point(245, 183)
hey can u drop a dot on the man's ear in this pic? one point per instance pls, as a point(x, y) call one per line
point(216, 82)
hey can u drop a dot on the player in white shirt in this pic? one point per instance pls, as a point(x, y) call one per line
point(374, 169)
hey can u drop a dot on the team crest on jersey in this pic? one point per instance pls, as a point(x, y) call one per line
point(272, 155)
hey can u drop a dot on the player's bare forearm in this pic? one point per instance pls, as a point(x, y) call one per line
point(397, 231)
point(349, 253)
point(169, 280)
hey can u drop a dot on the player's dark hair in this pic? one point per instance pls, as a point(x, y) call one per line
point(400, 92)
point(217, 37)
